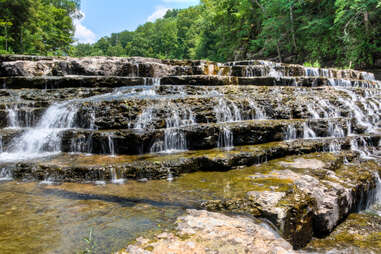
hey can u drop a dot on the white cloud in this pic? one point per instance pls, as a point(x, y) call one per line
point(82, 33)
point(159, 12)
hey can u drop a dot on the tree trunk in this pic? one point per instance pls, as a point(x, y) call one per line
point(256, 2)
point(278, 49)
point(6, 38)
point(366, 22)
point(292, 27)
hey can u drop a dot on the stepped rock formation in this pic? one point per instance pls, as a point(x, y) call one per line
point(109, 119)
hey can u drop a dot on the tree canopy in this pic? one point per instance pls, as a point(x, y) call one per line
point(37, 26)
point(331, 32)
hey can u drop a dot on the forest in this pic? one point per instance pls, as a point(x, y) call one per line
point(38, 27)
point(344, 33)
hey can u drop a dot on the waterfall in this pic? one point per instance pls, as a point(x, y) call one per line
point(361, 146)
point(115, 178)
point(356, 112)
point(311, 72)
point(111, 146)
point(44, 139)
point(174, 136)
point(145, 118)
point(308, 133)
point(290, 133)
point(224, 114)
point(378, 189)
point(81, 145)
point(5, 174)
point(1, 144)
point(271, 66)
point(313, 112)
point(334, 130)
point(225, 139)
point(258, 112)
point(13, 120)
point(334, 147)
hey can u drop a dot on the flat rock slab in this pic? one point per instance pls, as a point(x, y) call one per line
point(202, 232)
point(304, 163)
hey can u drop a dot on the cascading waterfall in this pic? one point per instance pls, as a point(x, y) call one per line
point(360, 146)
point(334, 147)
point(5, 174)
point(308, 133)
point(44, 139)
point(311, 72)
point(378, 190)
point(145, 118)
point(13, 121)
point(334, 130)
point(115, 177)
point(257, 113)
point(174, 136)
point(272, 72)
point(226, 114)
point(290, 133)
point(225, 139)
point(313, 112)
point(111, 146)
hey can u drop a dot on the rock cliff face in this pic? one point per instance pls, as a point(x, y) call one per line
point(104, 119)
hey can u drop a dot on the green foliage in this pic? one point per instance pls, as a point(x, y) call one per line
point(90, 243)
point(316, 64)
point(340, 32)
point(37, 26)
point(334, 32)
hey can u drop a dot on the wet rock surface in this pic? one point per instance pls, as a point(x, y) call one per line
point(305, 201)
point(359, 233)
point(207, 232)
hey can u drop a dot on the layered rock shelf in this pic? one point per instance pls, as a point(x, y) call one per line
point(298, 147)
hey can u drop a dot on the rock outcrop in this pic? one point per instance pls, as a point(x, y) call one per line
point(205, 232)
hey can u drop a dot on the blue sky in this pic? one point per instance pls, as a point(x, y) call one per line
point(103, 17)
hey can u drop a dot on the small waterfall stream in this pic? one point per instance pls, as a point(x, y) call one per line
point(13, 121)
point(44, 139)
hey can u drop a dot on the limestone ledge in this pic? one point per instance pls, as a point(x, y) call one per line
point(201, 232)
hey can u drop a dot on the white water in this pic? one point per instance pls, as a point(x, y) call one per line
point(225, 139)
point(257, 112)
point(174, 136)
point(308, 133)
point(13, 121)
point(44, 139)
point(115, 178)
point(311, 72)
point(334, 130)
point(290, 133)
point(226, 112)
point(111, 146)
